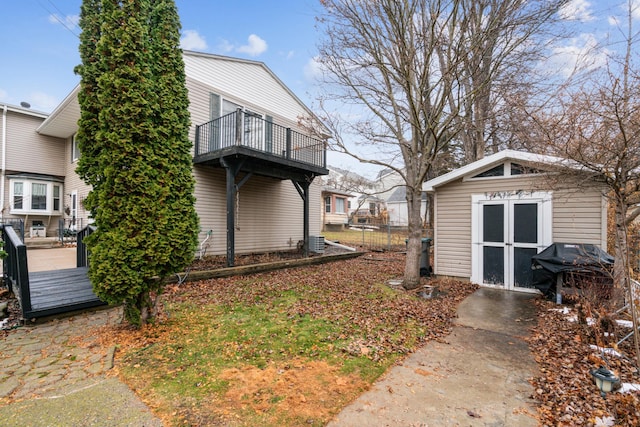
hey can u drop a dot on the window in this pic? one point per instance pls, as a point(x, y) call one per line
point(518, 169)
point(495, 171)
point(18, 194)
point(38, 197)
point(75, 149)
point(35, 196)
point(340, 205)
point(257, 129)
point(56, 198)
point(327, 204)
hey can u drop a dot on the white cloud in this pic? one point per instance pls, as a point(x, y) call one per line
point(577, 10)
point(192, 40)
point(42, 102)
point(225, 46)
point(635, 9)
point(255, 47)
point(69, 21)
point(582, 53)
point(290, 54)
point(313, 69)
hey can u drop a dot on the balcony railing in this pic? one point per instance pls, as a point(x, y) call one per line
point(241, 128)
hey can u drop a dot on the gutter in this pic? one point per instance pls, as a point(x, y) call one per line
point(4, 159)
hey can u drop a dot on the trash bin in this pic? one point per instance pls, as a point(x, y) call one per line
point(425, 263)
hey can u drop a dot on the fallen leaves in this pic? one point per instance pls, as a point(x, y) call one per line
point(564, 388)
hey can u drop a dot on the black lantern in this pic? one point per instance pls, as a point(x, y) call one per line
point(605, 380)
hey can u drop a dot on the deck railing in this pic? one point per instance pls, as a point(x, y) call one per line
point(16, 273)
point(82, 253)
point(241, 128)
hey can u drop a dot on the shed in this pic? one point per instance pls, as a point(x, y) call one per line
point(491, 216)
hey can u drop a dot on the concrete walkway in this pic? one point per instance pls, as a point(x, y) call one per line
point(51, 259)
point(478, 377)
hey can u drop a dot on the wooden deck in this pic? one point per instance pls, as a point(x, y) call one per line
point(60, 291)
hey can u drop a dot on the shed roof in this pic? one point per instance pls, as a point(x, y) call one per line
point(490, 161)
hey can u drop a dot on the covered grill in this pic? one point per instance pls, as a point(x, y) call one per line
point(571, 262)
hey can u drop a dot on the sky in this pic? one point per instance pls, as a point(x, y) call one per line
point(40, 42)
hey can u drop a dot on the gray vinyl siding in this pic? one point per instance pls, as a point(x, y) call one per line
point(200, 102)
point(72, 183)
point(28, 151)
point(270, 213)
point(247, 80)
point(577, 217)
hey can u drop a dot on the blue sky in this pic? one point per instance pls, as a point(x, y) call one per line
point(40, 42)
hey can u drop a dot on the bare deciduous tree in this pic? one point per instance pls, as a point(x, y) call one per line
point(407, 78)
point(597, 126)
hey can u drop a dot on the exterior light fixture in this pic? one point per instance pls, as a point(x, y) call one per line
point(605, 380)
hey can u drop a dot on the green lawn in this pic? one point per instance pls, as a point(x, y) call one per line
point(286, 348)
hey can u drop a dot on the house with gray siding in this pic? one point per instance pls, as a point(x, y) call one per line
point(254, 163)
point(32, 172)
point(493, 215)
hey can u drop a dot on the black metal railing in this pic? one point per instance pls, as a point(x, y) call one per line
point(242, 128)
point(17, 224)
point(68, 229)
point(16, 273)
point(82, 253)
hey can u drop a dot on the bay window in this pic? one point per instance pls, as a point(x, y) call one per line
point(35, 195)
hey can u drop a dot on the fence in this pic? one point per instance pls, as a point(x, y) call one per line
point(373, 238)
point(17, 224)
point(68, 228)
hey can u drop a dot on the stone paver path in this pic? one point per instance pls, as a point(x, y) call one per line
point(54, 374)
point(51, 358)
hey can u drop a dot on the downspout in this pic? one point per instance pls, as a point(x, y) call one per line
point(4, 159)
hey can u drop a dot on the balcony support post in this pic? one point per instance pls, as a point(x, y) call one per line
point(232, 168)
point(303, 191)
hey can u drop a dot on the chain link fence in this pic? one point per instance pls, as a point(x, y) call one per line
point(373, 238)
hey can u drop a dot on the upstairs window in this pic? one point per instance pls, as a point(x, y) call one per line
point(75, 149)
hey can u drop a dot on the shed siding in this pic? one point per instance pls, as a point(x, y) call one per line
point(577, 217)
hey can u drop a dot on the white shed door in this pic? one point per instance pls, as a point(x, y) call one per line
point(508, 230)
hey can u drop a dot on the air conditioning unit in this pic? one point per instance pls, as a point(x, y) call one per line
point(316, 244)
point(38, 231)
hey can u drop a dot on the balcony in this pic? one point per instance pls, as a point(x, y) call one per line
point(261, 146)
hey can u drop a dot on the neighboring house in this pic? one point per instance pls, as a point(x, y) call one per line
point(349, 182)
point(254, 164)
point(335, 208)
point(398, 210)
point(32, 172)
point(493, 215)
point(391, 189)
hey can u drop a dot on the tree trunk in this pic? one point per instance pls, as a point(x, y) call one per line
point(414, 245)
point(621, 264)
point(621, 269)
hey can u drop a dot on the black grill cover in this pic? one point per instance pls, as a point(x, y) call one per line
point(568, 257)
